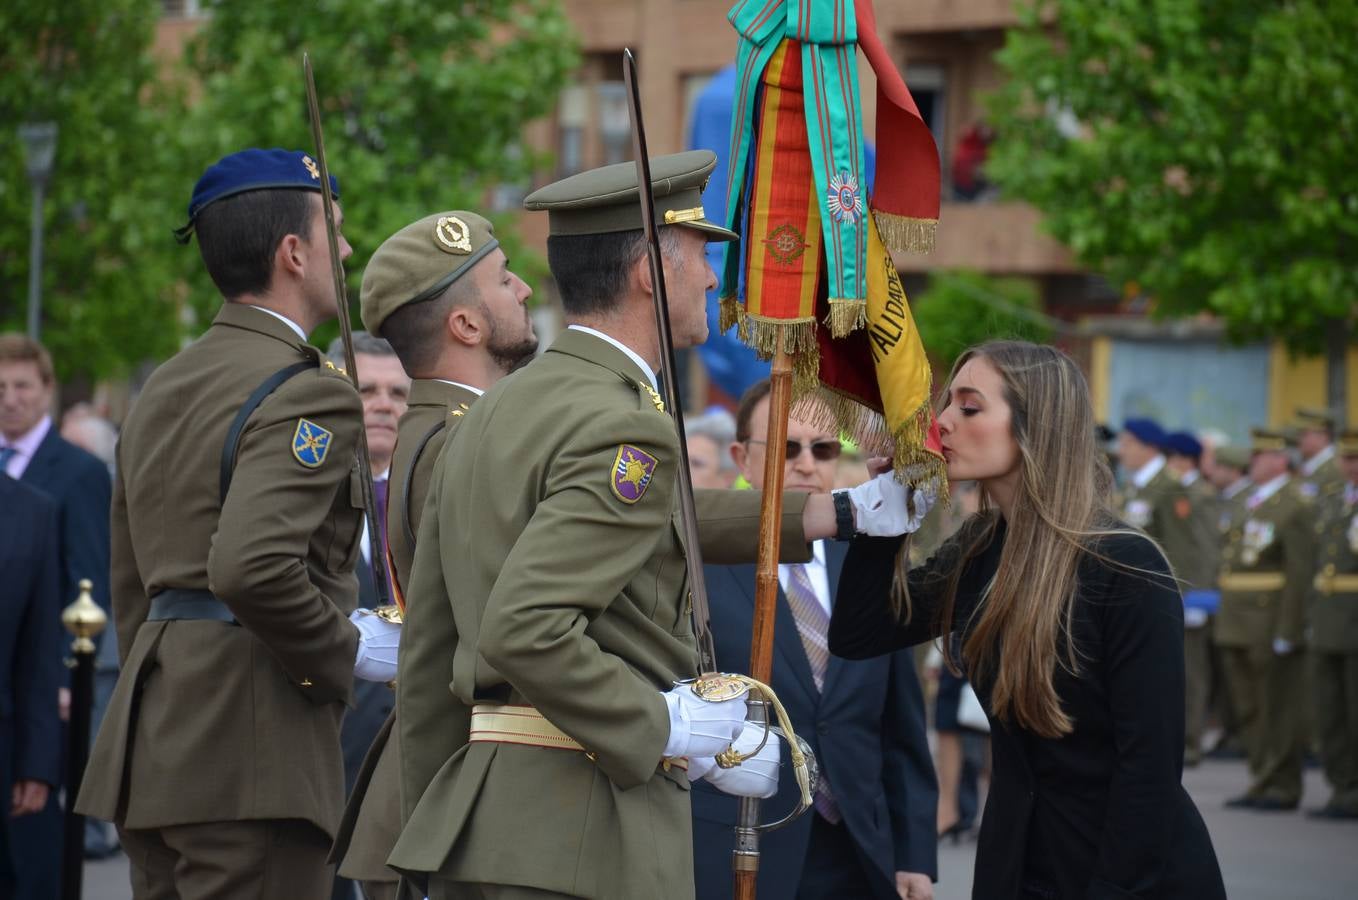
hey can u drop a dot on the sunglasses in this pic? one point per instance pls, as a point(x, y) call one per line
point(821, 451)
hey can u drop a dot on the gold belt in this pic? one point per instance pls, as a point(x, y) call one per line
point(1337, 584)
point(499, 723)
point(1253, 581)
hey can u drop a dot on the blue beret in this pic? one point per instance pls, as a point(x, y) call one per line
point(1146, 431)
point(254, 170)
point(1183, 443)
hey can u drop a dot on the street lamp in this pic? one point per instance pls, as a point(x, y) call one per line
point(40, 146)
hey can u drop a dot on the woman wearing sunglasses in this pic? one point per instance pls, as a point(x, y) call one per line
point(1071, 630)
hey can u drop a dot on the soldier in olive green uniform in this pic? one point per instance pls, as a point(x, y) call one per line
point(441, 292)
point(1229, 477)
point(236, 521)
point(1318, 476)
point(544, 746)
point(1334, 637)
point(1265, 581)
point(1190, 535)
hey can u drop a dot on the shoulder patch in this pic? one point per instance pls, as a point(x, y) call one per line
point(632, 472)
point(310, 443)
point(1183, 508)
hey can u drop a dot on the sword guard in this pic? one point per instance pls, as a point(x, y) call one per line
point(717, 687)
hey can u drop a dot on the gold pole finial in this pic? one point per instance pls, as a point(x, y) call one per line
point(84, 619)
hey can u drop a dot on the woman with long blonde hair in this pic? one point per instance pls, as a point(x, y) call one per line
point(1071, 631)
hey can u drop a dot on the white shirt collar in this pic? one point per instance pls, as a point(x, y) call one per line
point(1190, 477)
point(1268, 489)
point(1235, 488)
point(1143, 475)
point(1309, 467)
point(26, 446)
point(280, 317)
point(467, 387)
point(631, 354)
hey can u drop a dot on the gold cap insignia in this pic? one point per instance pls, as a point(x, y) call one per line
point(311, 167)
point(453, 235)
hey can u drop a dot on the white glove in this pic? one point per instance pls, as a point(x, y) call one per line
point(883, 507)
point(378, 641)
point(699, 727)
point(1282, 646)
point(756, 776)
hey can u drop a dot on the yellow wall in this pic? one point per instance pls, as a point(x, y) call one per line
point(1300, 381)
point(1100, 364)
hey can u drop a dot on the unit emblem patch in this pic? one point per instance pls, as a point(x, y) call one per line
point(310, 443)
point(632, 473)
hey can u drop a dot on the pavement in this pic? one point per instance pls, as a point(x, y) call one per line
point(1263, 856)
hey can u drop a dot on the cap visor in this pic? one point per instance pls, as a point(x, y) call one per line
point(710, 230)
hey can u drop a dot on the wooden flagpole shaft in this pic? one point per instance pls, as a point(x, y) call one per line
point(745, 860)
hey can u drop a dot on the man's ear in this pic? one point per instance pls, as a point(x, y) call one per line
point(291, 256)
point(465, 325)
point(739, 454)
point(641, 271)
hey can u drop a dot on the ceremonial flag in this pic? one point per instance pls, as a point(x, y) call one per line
point(815, 250)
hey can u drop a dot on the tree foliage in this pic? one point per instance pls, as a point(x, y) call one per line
point(1200, 151)
point(85, 65)
point(424, 108)
point(961, 308)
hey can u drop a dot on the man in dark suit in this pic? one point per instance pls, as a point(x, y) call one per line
point(30, 673)
point(872, 832)
point(32, 451)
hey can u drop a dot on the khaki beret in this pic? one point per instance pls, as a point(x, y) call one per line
point(1235, 457)
point(607, 200)
point(420, 261)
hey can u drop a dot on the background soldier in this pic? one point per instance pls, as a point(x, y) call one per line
point(1319, 474)
point(1229, 474)
point(457, 317)
point(1265, 580)
point(549, 591)
point(234, 541)
point(1334, 637)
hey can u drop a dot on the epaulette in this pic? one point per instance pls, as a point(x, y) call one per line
point(338, 370)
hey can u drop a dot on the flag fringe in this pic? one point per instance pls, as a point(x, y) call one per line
point(846, 315)
point(765, 335)
point(729, 311)
point(915, 465)
point(902, 233)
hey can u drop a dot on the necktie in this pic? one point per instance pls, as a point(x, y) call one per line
point(6, 454)
point(813, 624)
point(380, 499)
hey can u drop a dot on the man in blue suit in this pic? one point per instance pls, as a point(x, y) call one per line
point(872, 831)
point(30, 670)
point(34, 453)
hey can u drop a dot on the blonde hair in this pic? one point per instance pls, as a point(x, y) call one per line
point(1062, 503)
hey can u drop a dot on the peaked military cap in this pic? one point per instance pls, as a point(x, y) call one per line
point(1183, 443)
point(1267, 440)
point(1147, 431)
point(1235, 457)
point(421, 261)
point(1313, 419)
point(607, 200)
point(254, 170)
point(1348, 442)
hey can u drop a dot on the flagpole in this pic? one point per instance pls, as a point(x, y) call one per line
point(745, 862)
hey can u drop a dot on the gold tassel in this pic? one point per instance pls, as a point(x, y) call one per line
point(901, 233)
point(846, 315)
point(729, 312)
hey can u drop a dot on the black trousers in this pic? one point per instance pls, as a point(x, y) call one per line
point(835, 869)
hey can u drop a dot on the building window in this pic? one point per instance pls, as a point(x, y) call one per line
point(592, 123)
point(181, 9)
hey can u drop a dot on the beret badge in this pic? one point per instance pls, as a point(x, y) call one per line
point(453, 235)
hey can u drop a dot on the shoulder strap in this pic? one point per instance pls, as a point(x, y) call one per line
point(243, 415)
point(406, 524)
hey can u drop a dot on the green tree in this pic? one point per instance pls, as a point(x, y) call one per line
point(962, 308)
point(424, 107)
point(107, 273)
point(1203, 151)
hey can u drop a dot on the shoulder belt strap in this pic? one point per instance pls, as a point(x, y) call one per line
point(252, 402)
point(406, 524)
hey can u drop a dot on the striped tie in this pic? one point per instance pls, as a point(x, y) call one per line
point(813, 624)
point(6, 454)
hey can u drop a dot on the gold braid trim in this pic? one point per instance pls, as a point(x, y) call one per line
point(905, 233)
point(846, 315)
point(729, 312)
point(765, 335)
point(914, 465)
point(729, 758)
